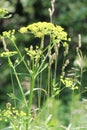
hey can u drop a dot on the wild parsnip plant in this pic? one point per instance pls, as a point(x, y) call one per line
point(40, 58)
point(38, 61)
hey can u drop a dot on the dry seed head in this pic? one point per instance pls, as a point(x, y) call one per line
point(8, 105)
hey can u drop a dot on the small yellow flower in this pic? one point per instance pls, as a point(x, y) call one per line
point(74, 87)
point(68, 82)
point(22, 114)
point(7, 113)
point(34, 54)
point(23, 30)
point(9, 35)
point(8, 53)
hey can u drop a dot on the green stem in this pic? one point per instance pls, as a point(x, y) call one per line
point(49, 71)
point(20, 87)
point(11, 64)
point(49, 80)
point(21, 57)
point(30, 100)
point(13, 89)
point(33, 78)
point(40, 85)
point(32, 86)
point(31, 93)
point(55, 70)
point(43, 61)
point(56, 47)
point(81, 75)
point(39, 92)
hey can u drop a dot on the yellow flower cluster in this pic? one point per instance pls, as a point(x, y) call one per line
point(41, 29)
point(33, 53)
point(9, 35)
point(68, 82)
point(11, 113)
